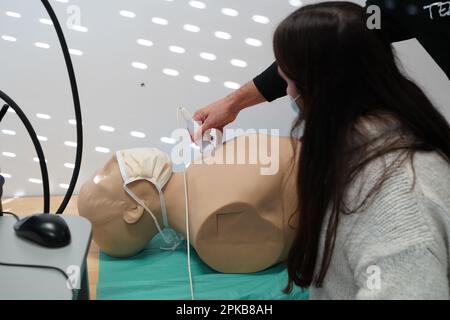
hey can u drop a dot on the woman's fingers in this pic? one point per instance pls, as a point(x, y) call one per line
point(214, 116)
point(199, 115)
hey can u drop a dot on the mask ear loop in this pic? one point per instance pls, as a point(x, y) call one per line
point(186, 204)
point(142, 204)
point(163, 209)
point(174, 239)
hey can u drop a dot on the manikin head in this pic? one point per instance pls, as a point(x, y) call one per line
point(121, 227)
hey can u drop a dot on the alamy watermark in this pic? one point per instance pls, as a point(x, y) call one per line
point(251, 147)
point(74, 277)
point(374, 19)
point(373, 281)
point(73, 21)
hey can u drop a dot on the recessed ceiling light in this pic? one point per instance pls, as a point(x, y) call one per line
point(177, 49)
point(238, 63)
point(62, 1)
point(261, 19)
point(168, 140)
point(253, 42)
point(41, 138)
point(36, 159)
point(79, 28)
point(230, 12)
point(201, 78)
point(70, 144)
point(102, 150)
point(6, 175)
point(72, 122)
point(13, 14)
point(160, 21)
point(197, 4)
point(46, 21)
point(171, 72)
point(139, 65)
point(191, 28)
point(76, 52)
point(296, 3)
point(9, 132)
point(9, 154)
point(137, 134)
point(145, 43)
point(36, 181)
point(69, 165)
point(43, 116)
point(127, 14)
point(232, 85)
point(64, 186)
point(222, 35)
point(42, 45)
point(208, 56)
point(107, 128)
point(9, 38)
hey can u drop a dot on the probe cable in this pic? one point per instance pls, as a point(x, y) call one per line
point(188, 244)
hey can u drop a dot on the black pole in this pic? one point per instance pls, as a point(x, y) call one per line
point(37, 145)
point(76, 102)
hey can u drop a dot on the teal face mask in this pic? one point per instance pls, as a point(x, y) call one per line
point(294, 105)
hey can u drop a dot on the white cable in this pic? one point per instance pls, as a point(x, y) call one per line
point(187, 235)
point(188, 243)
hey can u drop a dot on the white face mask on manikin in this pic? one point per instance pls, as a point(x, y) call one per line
point(294, 105)
point(154, 166)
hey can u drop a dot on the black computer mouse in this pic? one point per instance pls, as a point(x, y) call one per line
point(48, 230)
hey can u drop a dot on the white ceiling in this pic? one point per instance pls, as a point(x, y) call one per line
point(115, 94)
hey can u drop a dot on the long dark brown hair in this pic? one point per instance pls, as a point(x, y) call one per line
point(345, 73)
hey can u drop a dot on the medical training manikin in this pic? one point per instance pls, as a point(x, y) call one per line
point(240, 220)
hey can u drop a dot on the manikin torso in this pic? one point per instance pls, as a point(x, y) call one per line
point(240, 220)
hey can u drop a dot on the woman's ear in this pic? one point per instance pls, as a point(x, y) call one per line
point(133, 214)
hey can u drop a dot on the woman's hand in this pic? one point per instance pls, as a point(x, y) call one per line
point(215, 116)
point(224, 111)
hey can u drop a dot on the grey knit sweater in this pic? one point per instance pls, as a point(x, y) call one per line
point(398, 245)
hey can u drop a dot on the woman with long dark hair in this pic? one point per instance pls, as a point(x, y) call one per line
point(374, 170)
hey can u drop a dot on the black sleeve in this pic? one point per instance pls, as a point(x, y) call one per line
point(392, 17)
point(271, 85)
